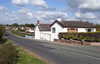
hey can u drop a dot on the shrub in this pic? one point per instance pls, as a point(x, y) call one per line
point(87, 36)
point(75, 37)
point(98, 40)
point(3, 40)
point(21, 30)
point(2, 31)
point(80, 37)
point(8, 54)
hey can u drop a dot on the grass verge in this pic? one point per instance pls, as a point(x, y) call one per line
point(27, 57)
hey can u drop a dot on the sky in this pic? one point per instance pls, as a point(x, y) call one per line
point(29, 11)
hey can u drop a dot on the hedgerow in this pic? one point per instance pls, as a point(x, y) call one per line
point(89, 36)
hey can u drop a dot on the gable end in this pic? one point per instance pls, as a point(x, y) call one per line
point(56, 22)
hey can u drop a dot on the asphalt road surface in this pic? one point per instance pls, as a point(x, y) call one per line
point(60, 54)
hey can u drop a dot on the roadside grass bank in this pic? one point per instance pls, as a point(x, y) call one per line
point(27, 57)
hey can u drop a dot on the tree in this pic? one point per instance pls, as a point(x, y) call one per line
point(98, 27)
point(26, 25)
point(2, 31)
point(15, 25)
point(29, 25)
point(8, 54)
point(32, 25)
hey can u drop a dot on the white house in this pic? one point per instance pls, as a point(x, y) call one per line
point(42, 31)
point(29, 29)
point(51, 31)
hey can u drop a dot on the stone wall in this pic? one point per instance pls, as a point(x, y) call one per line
point(73, 42)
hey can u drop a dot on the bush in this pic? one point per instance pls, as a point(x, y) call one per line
point(89, 36)
point(22, 33)
point(8, 54)
point(2, 31)
point(80, 37)
point(98, 40)
point(21, 30)
point(3, 40)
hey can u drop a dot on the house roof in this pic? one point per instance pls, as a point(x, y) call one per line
point(77, 24)
point(44, 27)
point(32, 28)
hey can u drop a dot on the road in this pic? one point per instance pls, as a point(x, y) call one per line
point(60, 54)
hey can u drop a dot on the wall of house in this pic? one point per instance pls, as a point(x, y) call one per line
point(45, 35)
point(42, 35)
point(58, 30)
point(84, 29)
point(37, 33)
point(94, 29)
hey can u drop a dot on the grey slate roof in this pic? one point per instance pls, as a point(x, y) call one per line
point(77, 24)
point(44, 27)
point(73, 24)
point(80, 24)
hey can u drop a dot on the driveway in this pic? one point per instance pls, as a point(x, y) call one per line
point(60, 54)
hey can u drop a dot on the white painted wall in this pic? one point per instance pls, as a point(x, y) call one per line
point(45, 35)
point(58, 30)
point(49, 32)
point(84, 29)
point(94, 29)
point(30, 30)
point(37, 32)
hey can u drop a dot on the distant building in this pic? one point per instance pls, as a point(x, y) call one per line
point(29, 29)
point(14, 28)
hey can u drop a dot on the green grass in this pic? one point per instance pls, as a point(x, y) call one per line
point(25, 58)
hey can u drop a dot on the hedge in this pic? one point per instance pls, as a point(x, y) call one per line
point(8, 54)
point(2, 32)
point(22, 33)
point(89, 36)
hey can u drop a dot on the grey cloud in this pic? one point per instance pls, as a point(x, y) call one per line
point(84, 7)
point(16, 17)
point(74, 4)
point(49, 16)
point(47, 9)
point(41, 4)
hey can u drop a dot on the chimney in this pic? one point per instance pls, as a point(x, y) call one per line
point(38, 22)
point(59, 19)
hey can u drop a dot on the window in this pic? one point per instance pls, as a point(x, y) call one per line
point(53, 30)
point(89, 30)
point(76, 30)
point(72, 30)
